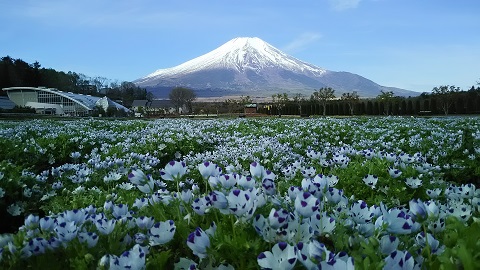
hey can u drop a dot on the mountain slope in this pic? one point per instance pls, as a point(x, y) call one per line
point(251, 66)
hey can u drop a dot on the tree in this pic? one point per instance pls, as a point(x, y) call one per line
point(181, 96)
point(323, 96)
point(99, 82)
point(244, 100)
point(351, 99)
point(280, 100)
point(298, 99)
point(386, 97)
point(445, 95)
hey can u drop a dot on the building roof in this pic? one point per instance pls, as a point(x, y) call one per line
point(6, 103)
point(139, 103)
point(87, 101)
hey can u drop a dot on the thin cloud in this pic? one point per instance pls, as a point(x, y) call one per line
point(301, 42)
point(344, 4)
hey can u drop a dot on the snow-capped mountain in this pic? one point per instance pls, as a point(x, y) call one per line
point(251, 66)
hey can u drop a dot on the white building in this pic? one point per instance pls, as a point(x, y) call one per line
point(52, 101)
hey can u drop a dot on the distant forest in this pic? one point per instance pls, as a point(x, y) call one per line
point(445, 100)
point(16, 72)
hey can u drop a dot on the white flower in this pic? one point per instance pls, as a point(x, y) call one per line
point(27, 192)
point(2, 192)
point(125, 186)
point(78, 190)
point(14, 210)
point(413, 182)
point(112, 176)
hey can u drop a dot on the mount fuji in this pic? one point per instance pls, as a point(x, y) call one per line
point(251, 66)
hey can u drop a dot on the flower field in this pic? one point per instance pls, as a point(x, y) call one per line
point(327, 193)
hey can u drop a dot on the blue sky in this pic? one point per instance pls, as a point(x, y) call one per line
point(411, 44)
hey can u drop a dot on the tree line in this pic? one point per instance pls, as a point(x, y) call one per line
point(16, 72)
point(445, 99)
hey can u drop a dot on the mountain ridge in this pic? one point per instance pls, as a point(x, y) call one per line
point(251, 66)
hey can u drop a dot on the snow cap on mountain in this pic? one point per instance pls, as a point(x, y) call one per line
point(239, 54)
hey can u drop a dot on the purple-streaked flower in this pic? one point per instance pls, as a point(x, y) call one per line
point(105, 226)
point(360, 212)
point(46, 224)
point(370, 180)
point(144, 183)
point(263, 228)
point(432, 209)
point(161, 232)
point(186, 195)
point(278, 218)
point(339, 261)
point(137, 177)
point(282, 256)
point(160, 197)
point(198, 241)
point(467, 191)
point(434, 193)
point(200, 205)
point(306, 204)
point(268, 186)
point(394, 173)
point(322, 224)
point(321, 180)
point(174, 170)
point(332, 180)
point(147, 187)
point(400, 260)
point(245, 182)
point(308, 252)
point(257, 171)
point(418, 208)
point(218, 200)
point(208, 169)
point(108, 205)
point(90, 238)
point(226, 181)
point(57, 185)
point(139, 238)
point(293, 191)
point(334, 195)
point(120, 210)
point(66, 231)
point(309, 172)
point(461, 211)
point(54, 243)
point(140, 203)
point(341, 160)
point(396, 221)
point(77, 215)
point(35, 246)
point(288, 172)
point(31, 222)
point(388, 244)
point(186, 264)
point(437, 226)
point(434, 244)
point(144, 222)
point(240, 202)
point(130, 259)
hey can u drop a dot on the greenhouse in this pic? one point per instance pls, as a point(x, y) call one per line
point(52, 101)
